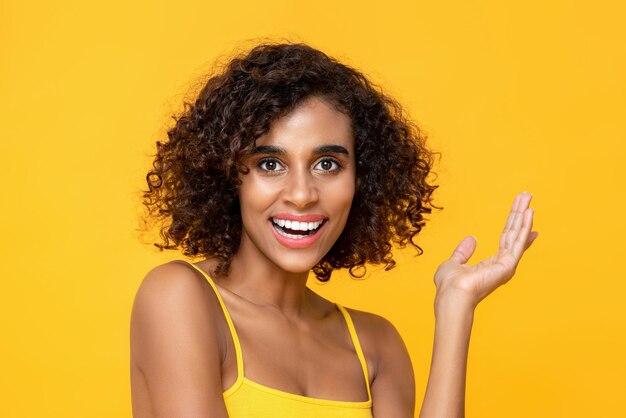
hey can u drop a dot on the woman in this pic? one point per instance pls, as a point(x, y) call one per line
point(287, 162)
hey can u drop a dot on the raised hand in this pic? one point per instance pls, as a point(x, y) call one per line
point(475, 282)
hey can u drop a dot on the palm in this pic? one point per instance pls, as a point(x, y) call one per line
point(479, 280)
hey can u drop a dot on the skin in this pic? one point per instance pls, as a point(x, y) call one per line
point(182, 354)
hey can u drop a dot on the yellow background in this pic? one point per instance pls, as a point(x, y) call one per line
point(527, 96)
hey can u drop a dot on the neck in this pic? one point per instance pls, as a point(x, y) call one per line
point(258, 280)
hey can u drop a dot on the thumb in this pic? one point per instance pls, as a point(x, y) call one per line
point(464, 250)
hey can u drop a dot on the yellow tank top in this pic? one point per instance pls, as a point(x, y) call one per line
point(246, 398)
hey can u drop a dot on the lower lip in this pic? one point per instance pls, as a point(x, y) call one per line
point(300, 242)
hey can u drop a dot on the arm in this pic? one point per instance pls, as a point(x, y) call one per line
point(175, 343)
point(445, 392)
point(389, 364)
point(460, 288)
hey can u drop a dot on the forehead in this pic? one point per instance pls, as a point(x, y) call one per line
point(313, 122)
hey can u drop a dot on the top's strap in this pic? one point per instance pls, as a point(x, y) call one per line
point(357, 348)
point(229, 321)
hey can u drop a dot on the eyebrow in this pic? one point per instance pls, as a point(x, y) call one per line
point(323, 149)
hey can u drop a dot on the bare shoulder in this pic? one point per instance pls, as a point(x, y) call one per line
point(377, 334)
point(173, 278)
point(172, 297)
point(176, 341)
point(391, 371)
point(371, 323)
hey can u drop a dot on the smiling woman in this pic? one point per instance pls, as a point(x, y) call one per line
point(290, 162)
point(296, 177)
point(196, 172)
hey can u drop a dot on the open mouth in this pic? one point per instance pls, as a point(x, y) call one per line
point(295, 229)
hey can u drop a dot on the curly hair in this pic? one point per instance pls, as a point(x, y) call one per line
point(192, 187)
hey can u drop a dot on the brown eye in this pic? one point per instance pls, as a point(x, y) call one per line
point(328, 165)
point(270, 164)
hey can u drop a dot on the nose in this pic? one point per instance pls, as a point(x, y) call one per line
point(301, 189)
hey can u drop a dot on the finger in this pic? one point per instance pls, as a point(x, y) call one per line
point(520, 244)
point(464, 250)
point(509, 220)
point(531, 238)
point(513, 233)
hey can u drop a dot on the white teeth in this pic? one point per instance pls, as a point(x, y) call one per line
point(297, 226)
point(284, 234)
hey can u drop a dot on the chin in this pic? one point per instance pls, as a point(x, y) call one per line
point(297, 268)
point(294, 262)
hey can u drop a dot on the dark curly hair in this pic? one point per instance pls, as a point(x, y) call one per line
point(192, 188)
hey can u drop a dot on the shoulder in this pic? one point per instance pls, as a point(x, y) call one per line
point(173, 299)
point(370, 323)
point(389, 364)
point(170, 276)
point(176, 342)
point(378, 336)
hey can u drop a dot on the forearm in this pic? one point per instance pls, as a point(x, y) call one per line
point(445, 392)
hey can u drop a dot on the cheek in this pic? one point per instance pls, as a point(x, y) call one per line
point(255, 196)
point(342, 195)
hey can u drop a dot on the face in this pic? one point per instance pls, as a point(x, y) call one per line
point(296, 198)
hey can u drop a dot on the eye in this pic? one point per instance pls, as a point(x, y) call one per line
point(270, 165)
point(327, 164)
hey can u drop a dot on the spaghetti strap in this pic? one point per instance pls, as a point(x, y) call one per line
point(229, 321)
point(357, 347)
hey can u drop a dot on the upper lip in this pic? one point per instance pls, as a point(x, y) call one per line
point(299, 218)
